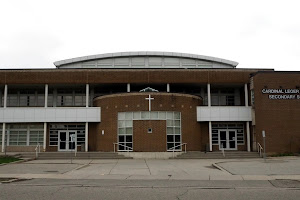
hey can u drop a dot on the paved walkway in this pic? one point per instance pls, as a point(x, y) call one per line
point(193, 169)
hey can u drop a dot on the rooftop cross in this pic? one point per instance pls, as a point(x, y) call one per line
point(149, 99)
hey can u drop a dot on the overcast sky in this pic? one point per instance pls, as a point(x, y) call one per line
point(255, 33)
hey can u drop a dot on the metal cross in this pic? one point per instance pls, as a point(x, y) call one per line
point(149, 99)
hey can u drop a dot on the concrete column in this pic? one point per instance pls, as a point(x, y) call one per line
point(208, 95)
point(3, 137)
point(209, 123)
point(246, 95)
point(46, 95)
point(45, 136)
point(5, 96)
point(87, 94)
point(128, 87)
point(248, 136)
point(168, 87)
point(86, 136)
point(210, 136)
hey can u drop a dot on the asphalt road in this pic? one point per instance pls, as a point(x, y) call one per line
point(149, 189)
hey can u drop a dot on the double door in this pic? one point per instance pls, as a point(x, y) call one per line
point(67, 140)
point(227, 140)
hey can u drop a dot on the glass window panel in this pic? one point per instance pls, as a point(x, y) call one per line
point(177, 131)
point(177, 146)
point(128, 138)
point(36, 126)
point(176, 115)
point(154, 115)
point(23, 101)
point(79, 100)
point(121, 116)
point(121, 123)
point(222, 100)
point(137, 115)
point(31, 100)
point(170, 145)
point(170, 131)
point(40, 100)
point(162, 115)
point(170, 123)
point(145, 115)
point(128, 115)
point(177, 122)
point(129, 145)
point(121, 138)
point(68, 100)
point(128, 123)
point(214, 100)
point(177, 138)
point(121, 131)
point(128, 131)
point(169, 115)
point(170, 138)
point(121, 147)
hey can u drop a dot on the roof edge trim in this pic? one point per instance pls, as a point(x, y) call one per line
point(144, 53)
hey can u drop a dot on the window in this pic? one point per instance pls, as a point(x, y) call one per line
point(224, 97)
point(239, 127)
point(125, 127)
point(25, 134)
point(54, 128)
point(252, 97)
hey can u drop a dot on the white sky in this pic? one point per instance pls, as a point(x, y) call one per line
point(255, 33)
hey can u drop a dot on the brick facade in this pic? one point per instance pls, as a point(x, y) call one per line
point(279, 118)
point(112, 104)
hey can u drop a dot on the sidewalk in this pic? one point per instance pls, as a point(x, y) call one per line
point(193, 169)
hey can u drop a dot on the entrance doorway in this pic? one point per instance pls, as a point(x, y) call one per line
point(67, 140)
point(227, 140)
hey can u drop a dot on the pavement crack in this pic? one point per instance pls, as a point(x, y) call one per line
point(147, 166)
point(113, 167)
point(55, 192)
point(181, 195)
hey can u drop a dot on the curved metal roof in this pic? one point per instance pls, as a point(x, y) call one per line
point(144, 53)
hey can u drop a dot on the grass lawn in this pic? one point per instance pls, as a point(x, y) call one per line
point(8, 159)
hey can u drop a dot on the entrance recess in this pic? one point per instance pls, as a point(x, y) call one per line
point(227, 140)
point(67, 140)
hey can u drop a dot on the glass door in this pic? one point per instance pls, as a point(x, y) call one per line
point(223, 139)
point(67, 140)
point(232, 140)
point(227, 140)
point(72, 140)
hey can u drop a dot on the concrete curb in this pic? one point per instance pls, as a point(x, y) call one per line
point(221, 168)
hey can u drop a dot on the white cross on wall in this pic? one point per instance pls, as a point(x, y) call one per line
point(149, 99)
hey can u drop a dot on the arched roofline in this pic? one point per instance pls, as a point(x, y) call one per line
point(144, 53)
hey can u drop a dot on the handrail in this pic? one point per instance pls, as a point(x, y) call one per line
point(173, 148)
point(37, 150)
point(223, 150)
point(259, 149)
point(127, 147)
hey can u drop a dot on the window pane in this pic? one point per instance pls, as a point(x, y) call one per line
point(162, 115)
point(145, 115)
point(137, 115)
point(154, 115)
point(128, 131)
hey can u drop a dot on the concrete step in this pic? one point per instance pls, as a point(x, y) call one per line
point(81, 155)
point(218, 155)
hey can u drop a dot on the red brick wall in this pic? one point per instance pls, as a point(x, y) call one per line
point(279, 118)
point(149, 142)
point(83, 76)
point(112, 104)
